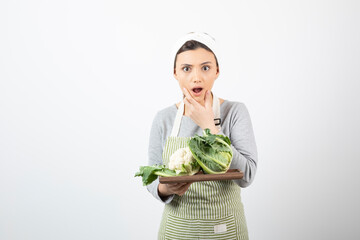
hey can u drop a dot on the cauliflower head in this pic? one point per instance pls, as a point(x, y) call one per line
point(183, 162)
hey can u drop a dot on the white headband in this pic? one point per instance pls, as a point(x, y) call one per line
point(201, 37)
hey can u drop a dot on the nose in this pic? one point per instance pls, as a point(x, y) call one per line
point(197, 76)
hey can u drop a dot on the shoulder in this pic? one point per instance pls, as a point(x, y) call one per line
point(235, 115)
point(166, 112)
point(234, 112)
point(234, 107)
point(165, 117)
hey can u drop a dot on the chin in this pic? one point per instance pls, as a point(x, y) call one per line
point(199, 98)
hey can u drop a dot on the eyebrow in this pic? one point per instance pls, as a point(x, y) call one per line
point(189, 65)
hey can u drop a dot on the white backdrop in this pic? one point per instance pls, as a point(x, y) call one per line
point(80, 82)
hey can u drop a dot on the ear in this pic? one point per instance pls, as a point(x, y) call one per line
point(217, 72)
point(175, 75)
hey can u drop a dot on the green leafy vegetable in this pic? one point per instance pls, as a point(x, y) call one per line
point(212, 152)
point(151, 173)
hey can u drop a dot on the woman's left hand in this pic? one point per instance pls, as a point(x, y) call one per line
point(203, 116)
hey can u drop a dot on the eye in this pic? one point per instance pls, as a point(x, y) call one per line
point(186, 69)
point(206, 68)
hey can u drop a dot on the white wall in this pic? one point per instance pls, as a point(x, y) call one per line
point(80, 82)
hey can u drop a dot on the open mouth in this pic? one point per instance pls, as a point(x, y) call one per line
point(197, 90)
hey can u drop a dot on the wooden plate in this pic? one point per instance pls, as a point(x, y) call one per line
point(199, 177)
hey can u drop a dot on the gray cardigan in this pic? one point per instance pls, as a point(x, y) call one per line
point(235, 123)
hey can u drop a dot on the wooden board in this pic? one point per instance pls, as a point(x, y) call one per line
point(229, 175)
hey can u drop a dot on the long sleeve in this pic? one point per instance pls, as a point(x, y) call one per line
point(236, 125)
point(243, 144)
point(155, 156)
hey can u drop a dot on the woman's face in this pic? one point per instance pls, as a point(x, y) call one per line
point(196, 71)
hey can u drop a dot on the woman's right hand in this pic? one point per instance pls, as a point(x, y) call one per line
point(172, 188)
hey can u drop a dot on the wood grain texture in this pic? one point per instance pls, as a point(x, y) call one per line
point(229, 175)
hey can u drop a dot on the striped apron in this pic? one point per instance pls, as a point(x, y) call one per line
point(208, 210)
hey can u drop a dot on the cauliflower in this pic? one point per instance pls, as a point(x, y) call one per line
point(183, 162)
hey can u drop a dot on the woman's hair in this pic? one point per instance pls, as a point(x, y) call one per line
point(193, 45)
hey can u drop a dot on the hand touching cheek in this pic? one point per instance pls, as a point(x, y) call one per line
point(203, 116)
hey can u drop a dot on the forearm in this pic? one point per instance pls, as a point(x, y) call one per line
point(244, 158)
point(246, 164)
point(153, 188)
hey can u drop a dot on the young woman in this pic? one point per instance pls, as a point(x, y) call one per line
point(212, 209)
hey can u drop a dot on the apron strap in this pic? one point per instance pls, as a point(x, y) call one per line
point(216, 110)
point(180, 112)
